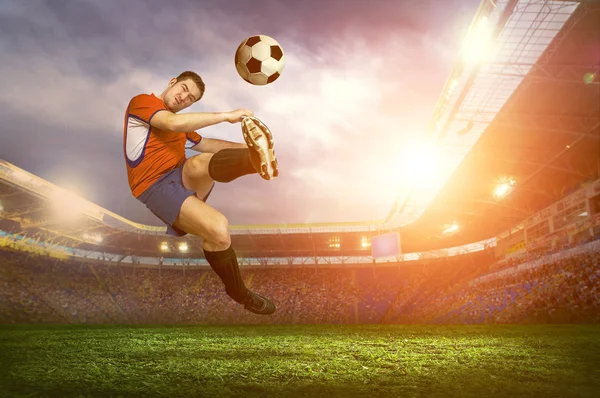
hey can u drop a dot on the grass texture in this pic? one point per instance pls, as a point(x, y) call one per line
point(300, 361)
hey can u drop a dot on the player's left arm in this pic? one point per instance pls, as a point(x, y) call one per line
point(213, 145)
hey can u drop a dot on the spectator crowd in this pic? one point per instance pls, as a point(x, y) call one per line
point(42, 289)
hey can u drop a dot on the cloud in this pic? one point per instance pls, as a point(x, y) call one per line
point(359, 81)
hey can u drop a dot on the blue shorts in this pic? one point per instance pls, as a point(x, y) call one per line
point(165, 197)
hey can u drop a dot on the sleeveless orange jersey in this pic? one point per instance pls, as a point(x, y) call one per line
point(149, 151)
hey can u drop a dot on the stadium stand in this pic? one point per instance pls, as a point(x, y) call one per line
point(42, 289)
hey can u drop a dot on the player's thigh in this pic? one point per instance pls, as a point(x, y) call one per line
point(195, 175)
point(197, 218)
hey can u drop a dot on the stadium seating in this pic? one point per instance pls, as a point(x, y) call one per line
point(39, 289)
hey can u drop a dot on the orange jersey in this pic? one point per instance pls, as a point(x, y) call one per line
point(149, 151)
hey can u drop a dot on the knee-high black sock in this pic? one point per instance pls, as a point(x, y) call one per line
point(225, 264)
point(229, 164)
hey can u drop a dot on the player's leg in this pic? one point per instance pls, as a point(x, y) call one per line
point(195, 175)
point(198, 218)
point(201, 171)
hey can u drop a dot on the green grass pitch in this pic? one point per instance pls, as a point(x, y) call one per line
point(301, 360)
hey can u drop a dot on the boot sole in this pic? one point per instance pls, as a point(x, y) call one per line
point(259, 139)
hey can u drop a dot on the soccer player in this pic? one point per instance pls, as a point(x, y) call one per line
point(175, 188)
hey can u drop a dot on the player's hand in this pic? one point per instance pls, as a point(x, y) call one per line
point(237, 115)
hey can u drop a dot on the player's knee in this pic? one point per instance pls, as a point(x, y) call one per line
point(198, 165)
point(220, 232)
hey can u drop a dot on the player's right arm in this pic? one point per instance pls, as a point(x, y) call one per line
point(169, 121)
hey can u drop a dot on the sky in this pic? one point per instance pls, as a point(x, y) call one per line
point(360, 83)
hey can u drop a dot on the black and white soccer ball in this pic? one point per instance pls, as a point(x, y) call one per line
point(259, 60)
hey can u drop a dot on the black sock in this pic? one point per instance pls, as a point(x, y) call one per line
point(229, 164)
point(225, 264)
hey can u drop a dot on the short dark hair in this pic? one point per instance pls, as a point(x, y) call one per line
point(195, 78)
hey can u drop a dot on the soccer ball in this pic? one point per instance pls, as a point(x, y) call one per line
point(259, 60)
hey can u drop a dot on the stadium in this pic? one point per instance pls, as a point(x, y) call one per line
point(489, 288)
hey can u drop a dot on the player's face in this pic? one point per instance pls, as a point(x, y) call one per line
point(181, 94)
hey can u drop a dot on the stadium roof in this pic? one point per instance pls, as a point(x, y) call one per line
point(529, 111)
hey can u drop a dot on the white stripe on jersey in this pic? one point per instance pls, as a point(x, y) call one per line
point(137, 134)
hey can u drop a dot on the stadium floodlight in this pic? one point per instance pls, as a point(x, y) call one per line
point(183, 247)
point(334, 243)
point(450, 229)
point(504, 187)
point(476, 46)
point(164, 247)
point(364, 243)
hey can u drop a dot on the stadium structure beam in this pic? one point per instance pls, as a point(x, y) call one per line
point(498, 204)
point(510, 8)
point(476, 214)
point(312, 242)
point(10, 195)
point(542, 62)
point(579, 1)
point(593, 168)
point(252, 242)
point(580, 12)
point(549, 166)
point(519, 161)
point(584, 125)
point(75, 240)
point(281, 240)
point(402, 202)
point(37, 236)
point(17, 215)
point(542, 192)
point(290, 259)
point(116, 232)
point(38, 224)
point(471, 88)
point(519, 8)
point(59, 242)
point(553, 73)
point(87, 229)
point(536, 172)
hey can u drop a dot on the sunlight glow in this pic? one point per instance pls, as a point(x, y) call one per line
point(476, 46)
point(345, 91)
point(67, 205)
point(420, 166)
